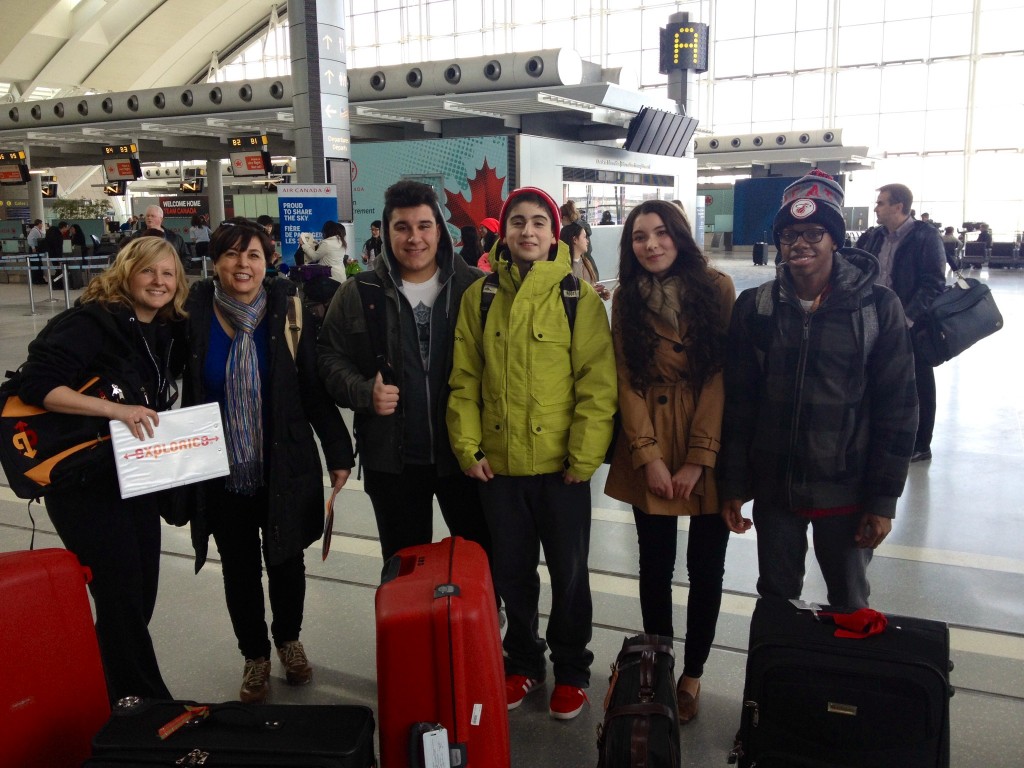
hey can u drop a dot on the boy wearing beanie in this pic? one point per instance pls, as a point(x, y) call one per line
point(821, 408)
point(530, 418)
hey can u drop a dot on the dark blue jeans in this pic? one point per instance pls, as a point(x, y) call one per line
point(524, 514)
point(782, 550)
point(705, 567)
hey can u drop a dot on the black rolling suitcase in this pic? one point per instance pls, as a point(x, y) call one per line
point(758, 254)
point(814, 699)
point(158, 733)
point(641, 720)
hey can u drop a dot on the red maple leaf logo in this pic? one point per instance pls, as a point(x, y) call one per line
point(485, 199)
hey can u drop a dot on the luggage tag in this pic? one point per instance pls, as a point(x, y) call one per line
point(803, 605)
point(429, 746)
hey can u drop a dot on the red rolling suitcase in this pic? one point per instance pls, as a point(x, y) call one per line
point(439, 660)
point(53, 699)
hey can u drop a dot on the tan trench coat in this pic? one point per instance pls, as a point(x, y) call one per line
point(685, 426)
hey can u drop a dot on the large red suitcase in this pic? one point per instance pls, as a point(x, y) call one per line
point(439, 657)
point(53, 697)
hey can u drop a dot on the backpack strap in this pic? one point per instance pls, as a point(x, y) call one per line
point(866, 330)
point(371, 294)
point(294, 329)
point(569, 288)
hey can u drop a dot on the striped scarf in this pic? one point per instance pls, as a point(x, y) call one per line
point(243, 401)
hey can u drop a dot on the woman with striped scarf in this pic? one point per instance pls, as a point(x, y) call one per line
point(270, 507)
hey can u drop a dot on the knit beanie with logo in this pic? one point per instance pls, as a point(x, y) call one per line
point(815, 198)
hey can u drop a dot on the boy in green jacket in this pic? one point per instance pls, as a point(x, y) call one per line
point(530, 417)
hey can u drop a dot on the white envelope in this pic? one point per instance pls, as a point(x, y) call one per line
point(187, 447)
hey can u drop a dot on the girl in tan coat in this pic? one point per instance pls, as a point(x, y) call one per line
point(670, 316)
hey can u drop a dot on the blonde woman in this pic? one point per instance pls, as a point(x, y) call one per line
point(122, 331)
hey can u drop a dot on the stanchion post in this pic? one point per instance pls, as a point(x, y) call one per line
point(31, 291)
point(67, 290)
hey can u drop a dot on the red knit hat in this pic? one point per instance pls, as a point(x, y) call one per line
point(513, 198)
point(490, 224)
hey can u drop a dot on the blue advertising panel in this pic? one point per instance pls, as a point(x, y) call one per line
point(304, 208)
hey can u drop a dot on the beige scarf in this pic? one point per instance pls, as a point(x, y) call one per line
point(664, 298)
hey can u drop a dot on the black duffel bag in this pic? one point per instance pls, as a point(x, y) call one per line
point(960, 316)
point(641, 717)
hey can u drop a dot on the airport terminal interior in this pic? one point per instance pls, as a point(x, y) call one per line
point(915, 92)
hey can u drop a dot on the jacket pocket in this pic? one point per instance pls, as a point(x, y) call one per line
point(549, 433)
point(551, 382)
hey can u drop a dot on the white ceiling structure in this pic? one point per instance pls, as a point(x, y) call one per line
point(58, 55)
point(118, 45)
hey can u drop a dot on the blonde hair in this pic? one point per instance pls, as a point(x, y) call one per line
point(113, 285)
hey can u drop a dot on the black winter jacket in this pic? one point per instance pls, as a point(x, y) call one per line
point(102, 340)
point(297, 399)
point(348, 365)
point(919, 266)
point(809, 423)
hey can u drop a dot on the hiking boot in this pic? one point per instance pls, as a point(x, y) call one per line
point(516, 688)
point(567, 701)
point(296, 666)
point(255, 681)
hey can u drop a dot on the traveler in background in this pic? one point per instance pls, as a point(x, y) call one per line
point(820, 407)
point(330, 251)
point(34, 235)
point(575, 236)
point(530, 418)
point(121, 331)
point(154, 219)
point(670, 316)
point(373, 246)
point(276, 265)
point(488, 236)
point(951, 244)
point(399, 411)
point(571, 215)
point(911, 261)
point(269, 396)
point(606, 218)
point(928, 220)
point(470, 251)
point(984, 234)
point(352, 267)
point(199, 234)
point(53, 247)
point(77, 237)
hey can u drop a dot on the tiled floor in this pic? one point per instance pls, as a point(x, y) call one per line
point(956, 553)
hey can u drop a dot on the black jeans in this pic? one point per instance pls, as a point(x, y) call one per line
point(237, 523)
point(119, 540)
point(523, 514)
point(404, 507)
point(705, 567)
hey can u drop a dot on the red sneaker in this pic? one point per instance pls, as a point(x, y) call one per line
point(516, 688)
point(567, 701)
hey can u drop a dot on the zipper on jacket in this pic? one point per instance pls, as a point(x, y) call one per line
point(801, 369)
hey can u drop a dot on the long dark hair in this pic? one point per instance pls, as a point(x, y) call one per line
point(705, 336)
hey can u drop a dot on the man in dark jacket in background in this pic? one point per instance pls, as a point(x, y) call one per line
point(820, 408)
point(399, 392)
point(912, 261)
point(53, 246)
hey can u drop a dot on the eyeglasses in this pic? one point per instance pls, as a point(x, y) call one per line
point(788, 236)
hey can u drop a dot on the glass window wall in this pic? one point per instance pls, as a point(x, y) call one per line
point(923, 83)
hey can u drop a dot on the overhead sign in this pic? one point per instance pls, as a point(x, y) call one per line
point(304, 208)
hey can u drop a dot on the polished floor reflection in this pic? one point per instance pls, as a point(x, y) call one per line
point(956, 554)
